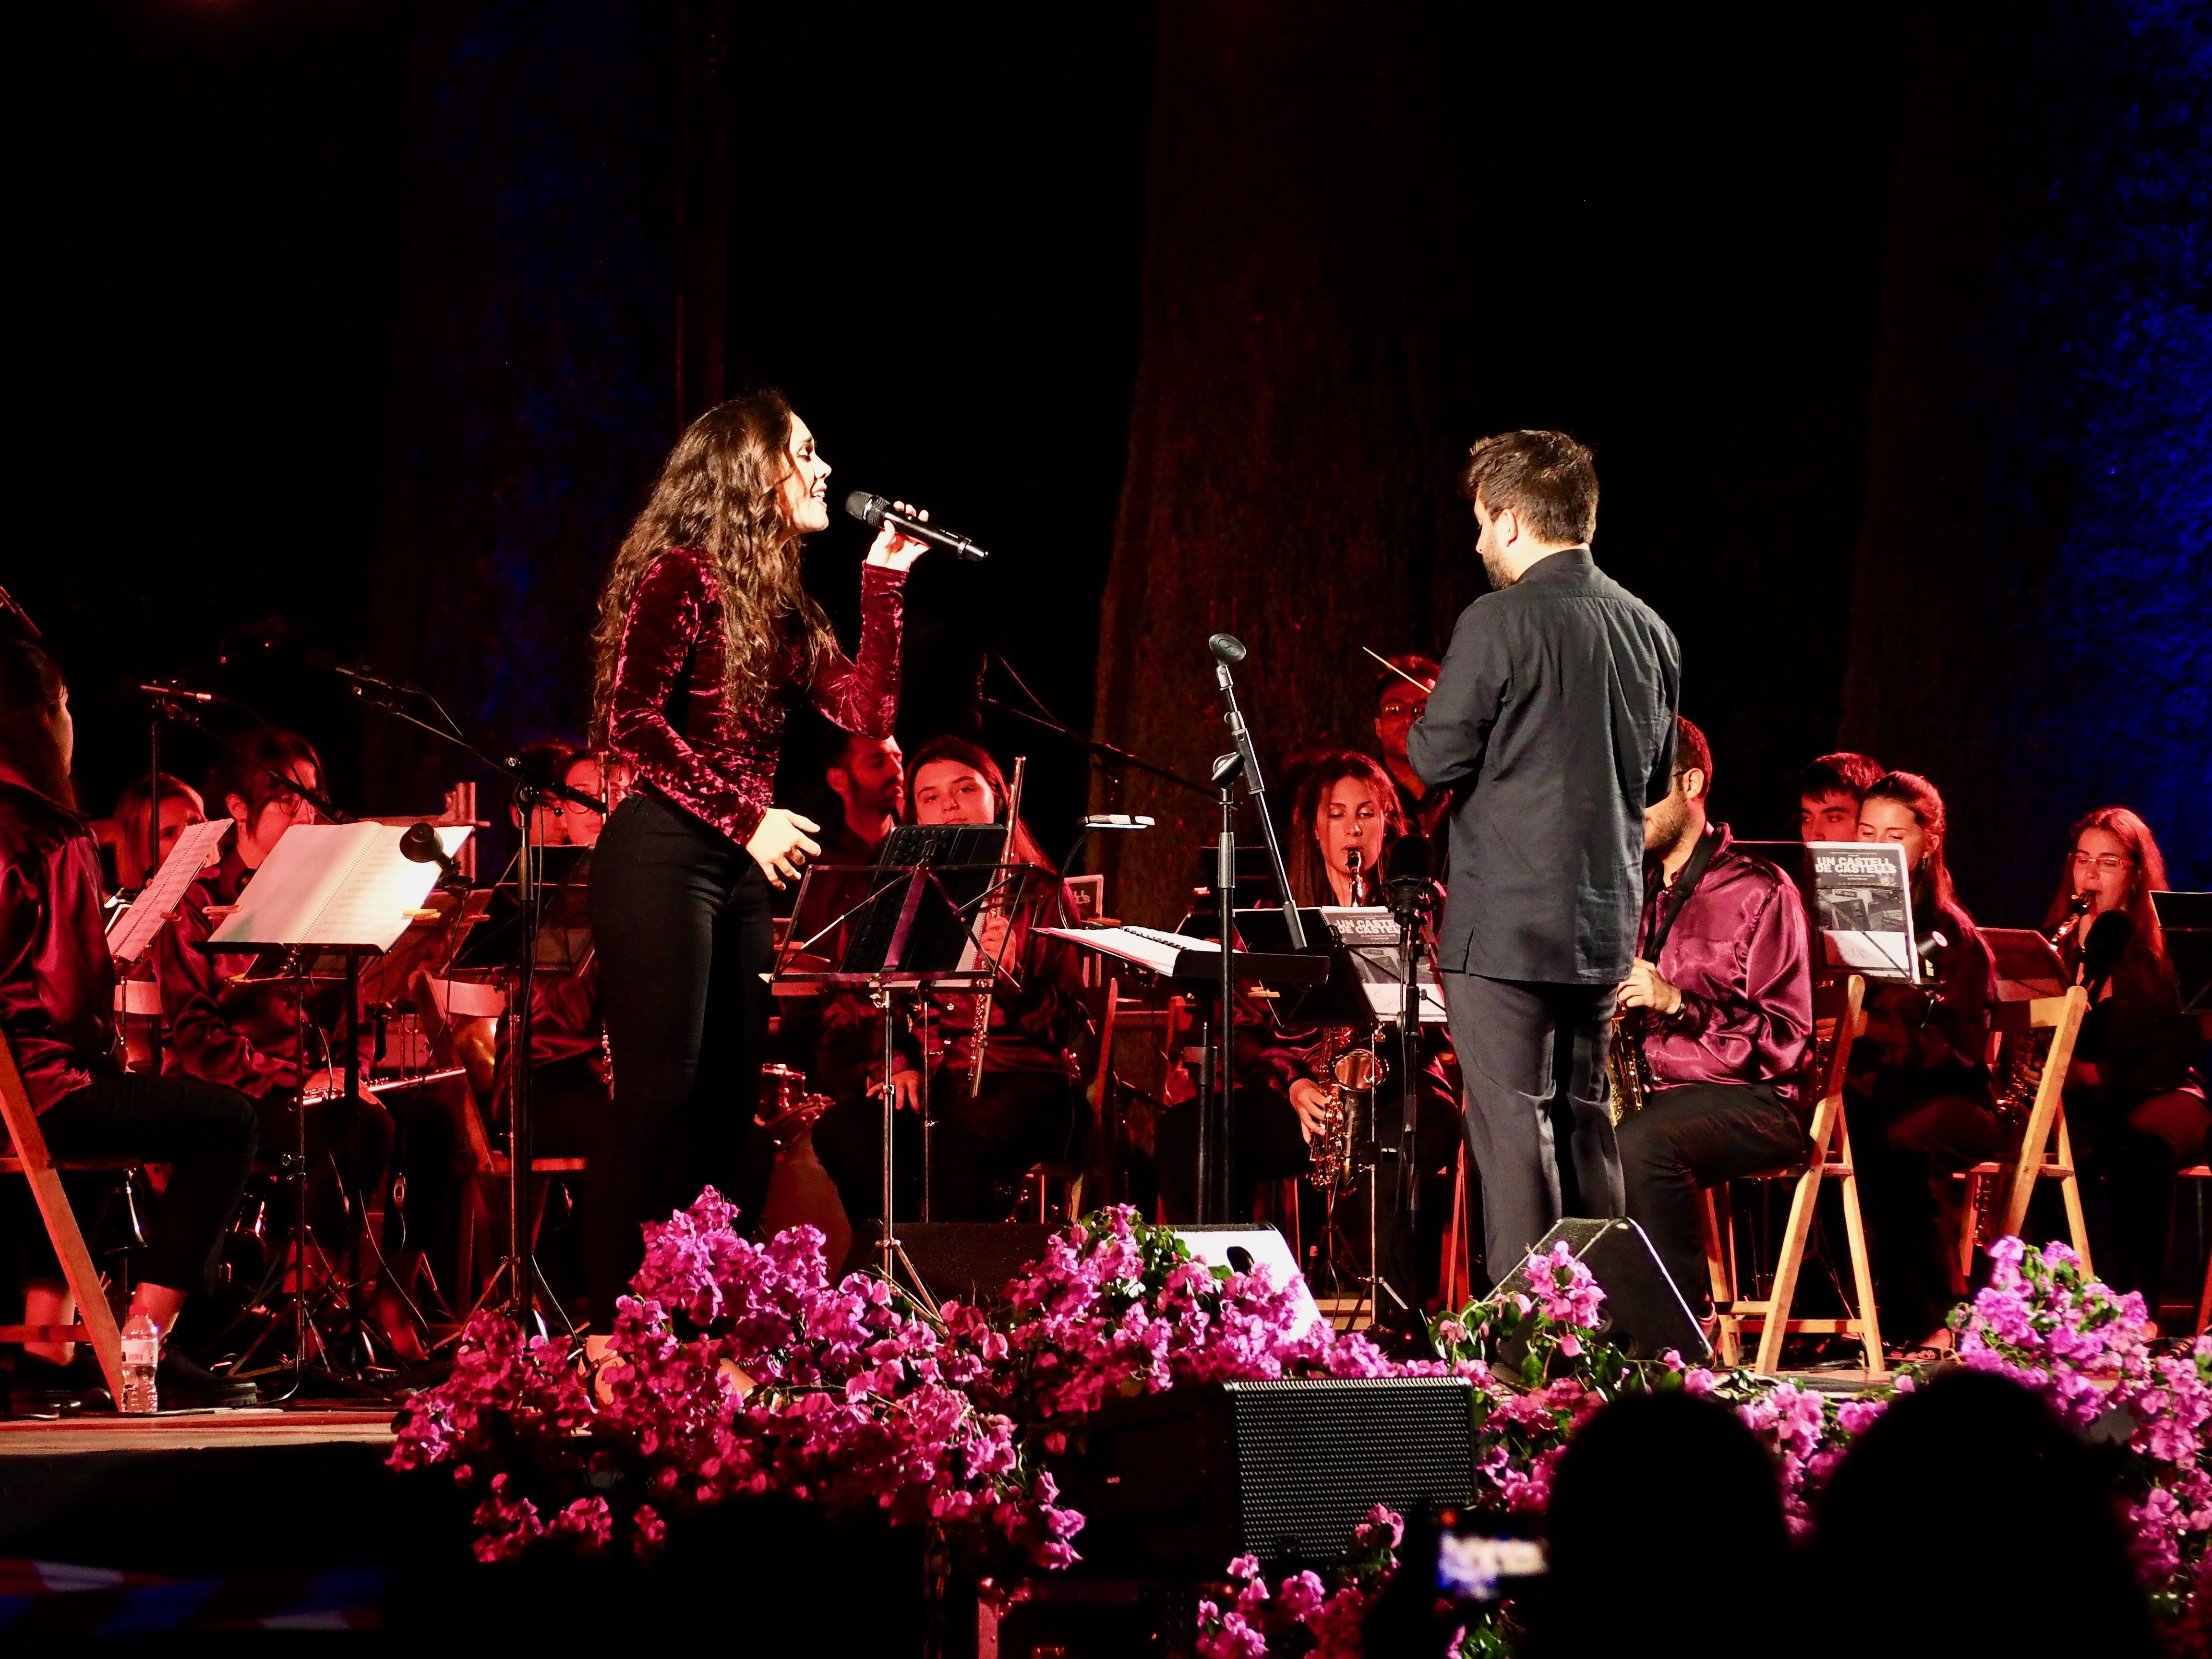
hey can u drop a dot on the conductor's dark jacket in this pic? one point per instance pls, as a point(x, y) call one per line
point(1553, 723)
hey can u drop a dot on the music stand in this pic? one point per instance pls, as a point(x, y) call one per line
point(912, 931)
point(2186, 920)
point(344, 890)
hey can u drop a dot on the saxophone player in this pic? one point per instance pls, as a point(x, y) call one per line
point(1719, 1006)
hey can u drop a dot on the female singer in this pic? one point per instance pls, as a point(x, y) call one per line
point(1924, 1105)
point(704, 628)
point(245, 1033)
point(2134, 1100)
point(1029, 1109)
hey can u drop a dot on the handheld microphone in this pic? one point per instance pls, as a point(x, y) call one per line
point(420, 843)
point(878, 513)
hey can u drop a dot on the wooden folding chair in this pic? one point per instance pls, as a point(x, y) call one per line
point(95, 1320)
point(2046, 1151)
point(1841, 1007)
point(1455, 1274)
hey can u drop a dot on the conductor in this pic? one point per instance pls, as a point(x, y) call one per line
point(1553, 723)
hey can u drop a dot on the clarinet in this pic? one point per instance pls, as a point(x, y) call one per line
point(980, 1038)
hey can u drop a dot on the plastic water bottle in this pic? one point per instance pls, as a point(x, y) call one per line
point(142, 1354)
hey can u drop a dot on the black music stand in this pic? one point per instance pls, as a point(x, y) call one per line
point(912, 931)
point(2186, 920)
point(342, 891)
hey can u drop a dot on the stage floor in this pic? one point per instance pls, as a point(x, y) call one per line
point(258, 1426)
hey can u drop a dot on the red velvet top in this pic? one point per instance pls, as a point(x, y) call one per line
point(670, 719)
point(57, 979)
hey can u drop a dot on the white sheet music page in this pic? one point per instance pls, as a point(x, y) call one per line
point(198, 847)
point(334, 884)
point(373, 906)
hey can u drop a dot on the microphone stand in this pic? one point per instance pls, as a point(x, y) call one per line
point(1227, 650)
point(519, 1266)
point(1220, 1121)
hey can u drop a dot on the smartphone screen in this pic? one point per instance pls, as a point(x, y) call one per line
point(1472, 1561)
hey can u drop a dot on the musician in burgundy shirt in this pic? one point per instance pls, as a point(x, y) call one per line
point(235, 1022)
point(1722, 1011)
point(57, 1011)
point(1029, 1109)
point(705, 628)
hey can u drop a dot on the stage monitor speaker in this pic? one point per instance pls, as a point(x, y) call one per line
point(1645, 1312)
point(1177, 1483)
point(967, 1261)
point(1241, 1246)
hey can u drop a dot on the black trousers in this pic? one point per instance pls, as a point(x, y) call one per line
point(2129, 1146)
point(978, 1146)
point(680, 917)
point(1684, 1140)
point(204, 1132)
point(1532, 1057)
point(1906, 1137)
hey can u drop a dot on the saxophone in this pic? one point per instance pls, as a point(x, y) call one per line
point(1353, 1071)
point(1631, 1079)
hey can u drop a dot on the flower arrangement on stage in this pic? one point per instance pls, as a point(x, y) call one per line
point(2044, 1323)
point(1325, 1618)
point(741, 1368)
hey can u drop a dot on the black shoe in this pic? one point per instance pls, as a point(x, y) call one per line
point(40, 1388)
point(184, 1384)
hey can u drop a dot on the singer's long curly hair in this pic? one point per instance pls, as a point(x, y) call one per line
point(720, 495)
point(1308, 874)
point(2143, 969)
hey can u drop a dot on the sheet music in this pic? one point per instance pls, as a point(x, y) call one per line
point(132, 930)
point(335, 883)
point(1147, 947)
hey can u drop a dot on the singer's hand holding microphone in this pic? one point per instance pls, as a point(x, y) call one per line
point(904, 530)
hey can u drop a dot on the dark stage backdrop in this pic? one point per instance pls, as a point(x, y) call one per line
point(203, 213)
point(1369, 245)
point(358, 326)
point(2033, 624)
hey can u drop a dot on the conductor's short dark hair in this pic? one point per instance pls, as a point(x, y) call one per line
point(1546, 478)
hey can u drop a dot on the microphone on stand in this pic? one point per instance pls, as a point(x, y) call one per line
point(878, 513)
point(1406, 877)
point(177, 694)
point(1114, 821)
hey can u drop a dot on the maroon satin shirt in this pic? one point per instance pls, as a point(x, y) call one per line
point(1739, 953)
point(670, 719)
point(242, 1034)
point(57, 980)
